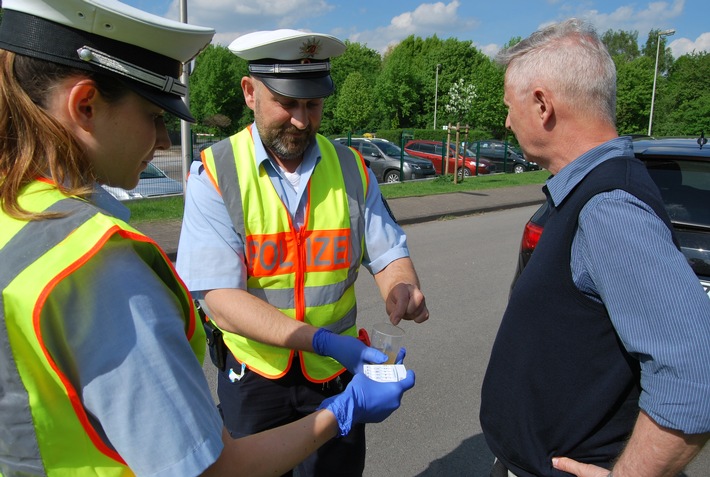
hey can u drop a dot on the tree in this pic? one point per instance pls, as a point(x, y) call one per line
point(622, 44)
point(215, 90)
point(634, 81)
point(665, 56)
point(357, 58)
point(355, 104)
point(683, 101)
point(399, 88)
point(461, 97)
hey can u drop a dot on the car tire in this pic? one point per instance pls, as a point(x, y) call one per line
point(466, 172)
point(518, 168)
point(391, 177)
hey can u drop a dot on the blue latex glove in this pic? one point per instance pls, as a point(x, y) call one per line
point(348, 351)
point(365, 400)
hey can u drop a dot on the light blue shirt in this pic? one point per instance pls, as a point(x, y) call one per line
point(118, 333)
point(624, 257)
point(211, 253)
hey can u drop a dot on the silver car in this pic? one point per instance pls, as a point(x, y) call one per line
point(385, 159)
point(153, 182)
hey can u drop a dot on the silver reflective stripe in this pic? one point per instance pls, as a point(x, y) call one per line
point(344, 323)
point(229, 183)
point(19, 451)
point(164, 83)
point(356, 198)
point(314, 296)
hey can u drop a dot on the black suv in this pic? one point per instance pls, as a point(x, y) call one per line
point(384, 159)
point(680, 167)
point(495, 152)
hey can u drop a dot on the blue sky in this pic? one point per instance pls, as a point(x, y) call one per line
point(489, 25)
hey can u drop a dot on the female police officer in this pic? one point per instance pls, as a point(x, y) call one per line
point(98, 341)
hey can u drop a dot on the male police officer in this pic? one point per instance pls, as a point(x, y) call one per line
point(277, 222)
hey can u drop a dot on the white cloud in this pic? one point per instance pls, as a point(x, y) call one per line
point(681, 46)
point(656, 15)
point(426, 20)
point(232, 18)
point(490, 50)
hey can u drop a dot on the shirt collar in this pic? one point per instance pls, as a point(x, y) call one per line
point(310, 157)
point(561, 184)
point(102, 199)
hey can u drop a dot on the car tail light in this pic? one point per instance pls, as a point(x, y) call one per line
point(531, 236)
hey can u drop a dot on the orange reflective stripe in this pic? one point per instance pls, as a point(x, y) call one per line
point(270, 255)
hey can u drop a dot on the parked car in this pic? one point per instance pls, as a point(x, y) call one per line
point(384, 158)
point(153, 182)
point(495, 152)
point(433, 150)
point(680, 167)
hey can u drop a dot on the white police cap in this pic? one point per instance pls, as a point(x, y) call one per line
point(109, 37)
point(291, 63)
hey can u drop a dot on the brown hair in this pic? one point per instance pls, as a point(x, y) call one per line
point(34, 144)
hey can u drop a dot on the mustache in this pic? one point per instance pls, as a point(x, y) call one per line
point(295, 131)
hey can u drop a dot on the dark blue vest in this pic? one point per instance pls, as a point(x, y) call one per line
point(559, 381)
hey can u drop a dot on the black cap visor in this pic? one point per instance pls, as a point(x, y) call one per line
point(301, 86)
point(169, 102)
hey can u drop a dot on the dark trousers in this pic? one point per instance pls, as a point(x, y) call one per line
point(253, 404)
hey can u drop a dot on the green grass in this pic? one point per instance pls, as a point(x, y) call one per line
point(445, 184)
point(148, 210)
point(171, 208)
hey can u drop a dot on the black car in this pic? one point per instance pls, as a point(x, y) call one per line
point(502, 155)
point(680, 167)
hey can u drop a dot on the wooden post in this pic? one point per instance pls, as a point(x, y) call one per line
point(448, 147)
point(456, 156)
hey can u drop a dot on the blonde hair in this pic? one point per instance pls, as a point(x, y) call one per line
point(34, 144)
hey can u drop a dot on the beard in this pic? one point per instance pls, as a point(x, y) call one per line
point(288, 143)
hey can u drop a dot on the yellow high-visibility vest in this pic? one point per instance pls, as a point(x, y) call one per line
point(308, 274)
point(46, 429)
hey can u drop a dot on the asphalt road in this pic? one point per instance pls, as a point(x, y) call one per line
point(465, 266)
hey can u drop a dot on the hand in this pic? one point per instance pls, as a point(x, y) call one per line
point(578, 468)
point(350, 352)
point(365, 400)
point(406, 302)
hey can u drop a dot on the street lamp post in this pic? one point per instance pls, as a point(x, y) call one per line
point(655, 74)
point(436, 91)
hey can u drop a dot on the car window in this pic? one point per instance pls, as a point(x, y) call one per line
point(151, 172)
point(685, 188)
point(368, 149)
point(389, 148)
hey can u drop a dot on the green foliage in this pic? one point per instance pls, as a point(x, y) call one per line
point(386, 96)
point(622, 45)
point(461, 97)
point(683, 98)
point(665, 57)
point(215, 90)
point(356, 59)
point(355, 102)
point(634, 83)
